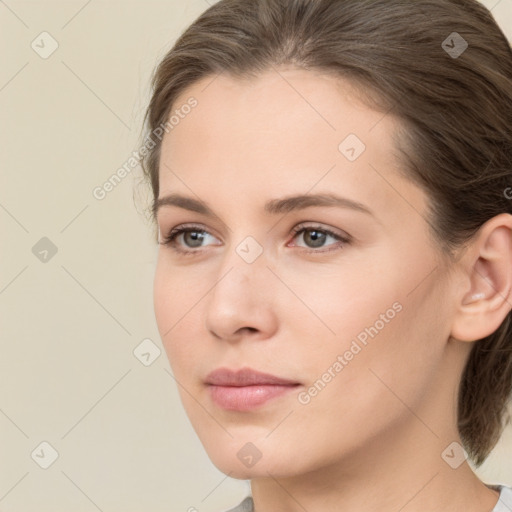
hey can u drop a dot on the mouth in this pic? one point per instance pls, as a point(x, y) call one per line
point(246, 389)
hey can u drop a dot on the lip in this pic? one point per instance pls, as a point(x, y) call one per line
point(244, 377)
point(246, 389)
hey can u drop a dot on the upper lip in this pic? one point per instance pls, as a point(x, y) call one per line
point(244, 377)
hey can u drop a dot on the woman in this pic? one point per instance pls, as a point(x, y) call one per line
point(332, 194)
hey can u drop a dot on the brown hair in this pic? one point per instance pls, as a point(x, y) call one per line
point(410, 59)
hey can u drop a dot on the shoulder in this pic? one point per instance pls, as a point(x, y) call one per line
point(505, 500)
point(247, 506)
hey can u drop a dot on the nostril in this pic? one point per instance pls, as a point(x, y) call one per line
point(250, 329)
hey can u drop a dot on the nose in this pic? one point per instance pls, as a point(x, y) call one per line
point(242, 299)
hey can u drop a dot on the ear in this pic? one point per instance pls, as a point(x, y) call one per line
point(486, 294)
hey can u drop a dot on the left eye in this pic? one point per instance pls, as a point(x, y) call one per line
point(315, 237)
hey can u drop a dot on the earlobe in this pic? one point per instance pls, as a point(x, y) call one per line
point(488, 282)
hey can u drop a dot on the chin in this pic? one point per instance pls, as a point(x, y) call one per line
point(244, 460)
point(262, 469)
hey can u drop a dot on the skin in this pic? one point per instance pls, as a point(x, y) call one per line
point(373, 437)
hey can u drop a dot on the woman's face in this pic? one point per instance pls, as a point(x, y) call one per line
point(360, 326)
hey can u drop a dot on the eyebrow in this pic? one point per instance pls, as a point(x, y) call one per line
point(272, 207)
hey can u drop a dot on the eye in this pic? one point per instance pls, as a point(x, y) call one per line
point(191, 237)
point(315, 237)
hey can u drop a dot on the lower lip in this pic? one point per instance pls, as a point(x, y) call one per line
point(245, 398)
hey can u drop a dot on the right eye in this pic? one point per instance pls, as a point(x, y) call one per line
point(190, 236)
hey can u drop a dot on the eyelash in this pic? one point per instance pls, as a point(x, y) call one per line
point(170, 239)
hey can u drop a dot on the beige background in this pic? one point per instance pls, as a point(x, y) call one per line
point(70, 325)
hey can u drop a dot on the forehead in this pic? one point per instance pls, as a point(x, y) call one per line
point(281, 107)
point(288, 130)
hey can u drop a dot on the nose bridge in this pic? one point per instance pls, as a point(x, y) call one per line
point(240, 296)
point(243, 265)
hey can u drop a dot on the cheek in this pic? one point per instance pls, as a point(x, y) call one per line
point(176, 292)
point(175, 301)
point(372, 336)
point(333, 305)
point(368, 394)
point(163, 300)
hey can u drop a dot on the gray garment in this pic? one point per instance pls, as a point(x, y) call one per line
point(504, 503)
point(246, 506)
